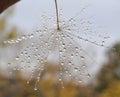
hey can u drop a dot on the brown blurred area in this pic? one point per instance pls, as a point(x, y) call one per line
point(17, 87)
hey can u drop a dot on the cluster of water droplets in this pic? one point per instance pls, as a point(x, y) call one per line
point(66, 44)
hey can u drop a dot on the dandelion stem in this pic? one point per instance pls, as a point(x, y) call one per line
point(57, 15)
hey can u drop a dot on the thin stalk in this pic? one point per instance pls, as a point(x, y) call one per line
point(57, 15)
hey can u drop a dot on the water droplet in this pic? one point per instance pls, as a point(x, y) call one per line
point(9, 64)
point(72, 55)
point(21, 53)
point(22, 62)
point(84, 66)
point(26, 53)
point(17, 58)
point(82, 58)
point(20, 39)
point(76, 69)
point(103, 41)
point(32, 44)
point(42, 61)
point(28, 57)
point(64, 49)
point(28, 82)
point(23, 37)
point(57, 38)
point(63, 57)
point(60, 51)
point(35, 89)
point(76, 48)
point(63, 44)
point(31, 36)
point(76, 54)
point(46, 43)
point(88, 75)
point(16, 41)
point(32, 71)
point(62, 63)
point(60, 79)
point(70, 63)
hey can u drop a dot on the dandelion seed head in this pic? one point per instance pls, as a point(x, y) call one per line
point(63, 46)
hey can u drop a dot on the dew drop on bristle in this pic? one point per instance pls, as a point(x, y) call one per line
point(17, 58)
point(35, 89)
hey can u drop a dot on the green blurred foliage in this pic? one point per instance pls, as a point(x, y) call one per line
point(108, 78)
point(111, 70)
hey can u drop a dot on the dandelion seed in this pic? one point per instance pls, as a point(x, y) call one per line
point(65, 40)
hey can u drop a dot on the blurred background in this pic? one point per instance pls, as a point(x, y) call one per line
point(24, 17)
